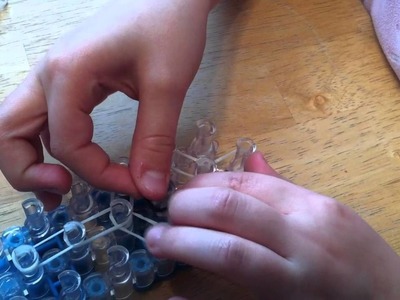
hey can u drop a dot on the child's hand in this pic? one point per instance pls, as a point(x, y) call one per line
point(278, 239)
point(149, 50)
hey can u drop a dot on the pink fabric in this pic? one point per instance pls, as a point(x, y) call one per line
point(385, 16)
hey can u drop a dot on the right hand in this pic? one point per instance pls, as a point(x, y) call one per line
point(277, 239)
point(148, 49)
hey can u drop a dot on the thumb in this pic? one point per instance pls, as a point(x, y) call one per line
point(154, 142)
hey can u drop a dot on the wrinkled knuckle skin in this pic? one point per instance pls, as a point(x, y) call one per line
point(334, 211)
point(6, 123)
point(3, 135)
point(158, 144)
point(57, 64)
point(166, 81)
point(5, 147)
point(224, 203)
point(231, 252)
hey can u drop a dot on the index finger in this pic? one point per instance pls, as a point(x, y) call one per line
point(71, 133)
point(23, 114)
point(276, 192)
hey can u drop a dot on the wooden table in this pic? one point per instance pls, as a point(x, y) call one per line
point(305, 79)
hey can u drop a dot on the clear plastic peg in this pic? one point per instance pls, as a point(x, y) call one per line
point(80, 256)
point(244, 148)
point(143, 269)
point(204, 143)
point(205, 165)
point(26, 261)
point(57, 265)
point(71, 288)
point(4, 263)
point(99, 248)
point(124, 161)
point(82, 205)
point(36, 221)
point(164, 267)
point(120, 273)
point(183, 168)
point(103, 200)
point(121, 213)
point(15, 236)
point(58, 218)
point(11, 285)
point(97, 287)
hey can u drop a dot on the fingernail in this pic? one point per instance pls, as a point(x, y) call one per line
point(153, 237)
point(154, 181)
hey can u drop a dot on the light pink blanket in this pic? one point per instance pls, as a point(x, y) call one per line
point(385, 15)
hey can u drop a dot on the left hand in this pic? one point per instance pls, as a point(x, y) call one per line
point(148, 49)
point(277, 239)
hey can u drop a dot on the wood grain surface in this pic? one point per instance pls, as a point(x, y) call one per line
point(305, 79)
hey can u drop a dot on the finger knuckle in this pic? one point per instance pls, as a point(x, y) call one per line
point(333, 210)
point(57, 64)
point(3, 136)
point(165, 81)
point(225, 204)
point(6, 123)
point(158, 144)
point(231, 252)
